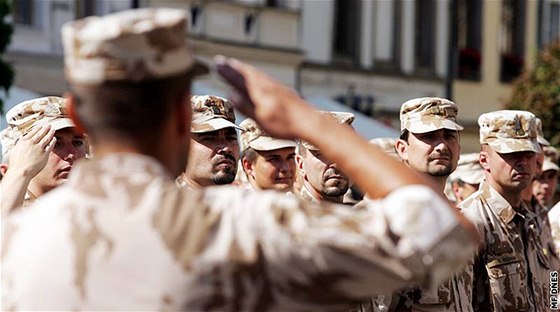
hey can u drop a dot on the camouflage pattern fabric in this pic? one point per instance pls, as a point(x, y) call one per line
point(119, 235)
point(50, 110)
point(252, 136)
point(211, 113)
point(131, 45)
point(508, 131)
point(428, 114)
point(511, 271)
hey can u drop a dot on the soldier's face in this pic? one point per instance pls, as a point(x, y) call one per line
point(213, 157)
point(511, 172)
point(274, 170)
point(323, 175)
point(69, 147)
point(544, 186)
point(435, 153)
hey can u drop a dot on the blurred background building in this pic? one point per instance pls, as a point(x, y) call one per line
point(370, 55)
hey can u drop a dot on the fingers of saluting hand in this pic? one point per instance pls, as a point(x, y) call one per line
point(240, 97)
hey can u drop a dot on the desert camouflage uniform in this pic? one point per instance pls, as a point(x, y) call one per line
point(511, 272)
point(119, 235)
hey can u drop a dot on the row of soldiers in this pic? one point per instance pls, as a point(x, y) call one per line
point(133, 227)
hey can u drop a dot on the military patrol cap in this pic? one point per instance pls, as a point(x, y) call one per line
point(387, 145)
point(131, 45)
point(211, 113)
point(540, 134)
point(428, 114)
point(550, 159)
point(468, 169)
point(342, 118)
point(50, 110)
point(508, 131)
point(254, 137)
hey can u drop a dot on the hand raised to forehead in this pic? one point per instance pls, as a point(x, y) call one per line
point(31, 152)
point(275, 107)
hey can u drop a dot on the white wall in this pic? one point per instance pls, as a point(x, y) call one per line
point(317, 38)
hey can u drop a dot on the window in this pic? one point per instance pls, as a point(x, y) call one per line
point(346, 32)
point(468, 17)
point(424, 50)
point(24, 12)
point(512, 39)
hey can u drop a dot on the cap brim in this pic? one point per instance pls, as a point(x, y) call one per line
point(56, 124)
point(419, 127)
point(265, 143)
point(549, 165)
point(213, 125)
point(504, 146)
point(543, 141)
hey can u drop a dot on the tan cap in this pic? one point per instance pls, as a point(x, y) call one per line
point(428, 114)
point(130, 45)
point(550, 159)
point(50, 110)
point(341, 117)
point(8, 138)
point(468, 169)
point(211, 113)
point(254, 137)
point(508, 131)
point(540, 134)
point(387, 145)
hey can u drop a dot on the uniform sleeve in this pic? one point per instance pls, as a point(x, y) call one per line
point(331, 253)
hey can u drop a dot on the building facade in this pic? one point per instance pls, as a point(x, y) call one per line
point(369, 54)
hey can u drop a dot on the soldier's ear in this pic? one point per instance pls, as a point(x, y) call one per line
point(483, 160)
point(402, 149)
point(247, 166)
point(71, 102)
point(299, 164)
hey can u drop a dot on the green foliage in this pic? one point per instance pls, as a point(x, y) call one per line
point(538, 91)
point(6, 30)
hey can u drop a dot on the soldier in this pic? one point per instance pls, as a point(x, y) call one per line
point(545, 184)
point(466, 179)
point(321, 179)
point(268, 163)
point(121, 236)
point(511, 270)
point(41, 146)
point(429, 143)
point(214, 146)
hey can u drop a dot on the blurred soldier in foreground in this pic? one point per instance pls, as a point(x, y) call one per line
point(40, 146)
point(466, 179)
point(545, 184)
point(121, 236)
point(214, 150)
point(511, 270)
point(268, 163)
point(429, 143)
point(322, 180)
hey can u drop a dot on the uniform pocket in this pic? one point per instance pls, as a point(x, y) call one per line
point(509, 291)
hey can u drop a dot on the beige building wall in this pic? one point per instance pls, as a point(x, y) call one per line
point(477, 97)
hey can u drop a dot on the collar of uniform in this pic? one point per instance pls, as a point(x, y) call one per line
point(497, 203)
point(306, 194)
point(118, 164)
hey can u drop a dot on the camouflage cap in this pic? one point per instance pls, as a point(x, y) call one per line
point(254, 137)
point(550, 159)
point(508, 131)
point(428, 114)
point(540, 134)
point(342, 118)
point(387, 145)
point(50, 110)
point(468, 169)
point(130, 45)
point(211, 113)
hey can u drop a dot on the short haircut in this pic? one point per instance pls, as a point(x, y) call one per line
point(404, 135)
point(250, 154)
point(127, 109)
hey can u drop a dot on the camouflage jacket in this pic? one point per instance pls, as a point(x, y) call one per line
point(511, 270)
point(120, 235)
